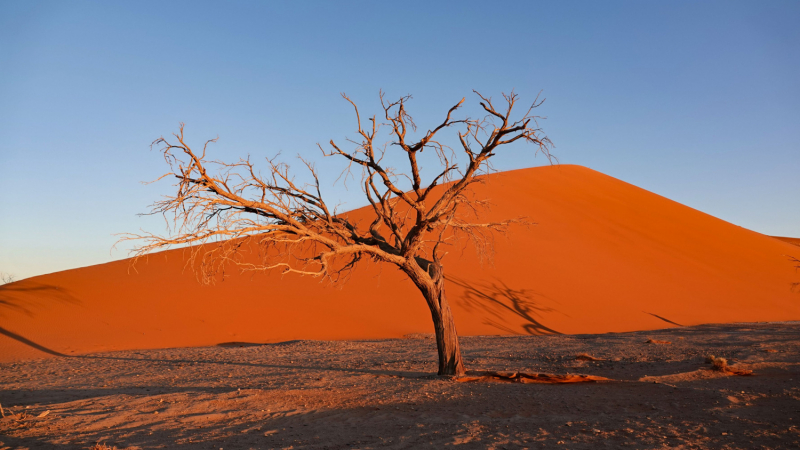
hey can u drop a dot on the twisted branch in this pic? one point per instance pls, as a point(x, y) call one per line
point(233, 205)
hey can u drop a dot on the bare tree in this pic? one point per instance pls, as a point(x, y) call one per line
point(6, 278)
point(297, 232)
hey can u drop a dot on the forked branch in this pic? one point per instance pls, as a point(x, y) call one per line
point(294, 228)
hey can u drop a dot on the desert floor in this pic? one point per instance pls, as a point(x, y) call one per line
point(382, 394)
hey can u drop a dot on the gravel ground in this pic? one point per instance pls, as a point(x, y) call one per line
point(383, 394)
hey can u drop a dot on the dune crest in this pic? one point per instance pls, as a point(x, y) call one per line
point(605, 256)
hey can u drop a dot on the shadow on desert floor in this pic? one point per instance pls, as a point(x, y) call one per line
point(379, 394)
point(410, 375)
point(480, 416)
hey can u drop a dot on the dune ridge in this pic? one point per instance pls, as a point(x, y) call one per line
point(605, 256)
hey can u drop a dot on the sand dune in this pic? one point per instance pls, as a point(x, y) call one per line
point(791, 240)
point(605, 256)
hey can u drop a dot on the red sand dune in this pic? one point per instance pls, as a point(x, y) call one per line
point(605, 256)
point(791, 240)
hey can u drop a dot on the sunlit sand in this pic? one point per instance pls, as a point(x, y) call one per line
point(138, 357)
point(605, 256)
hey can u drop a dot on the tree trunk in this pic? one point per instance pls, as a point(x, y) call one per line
point(450, 362)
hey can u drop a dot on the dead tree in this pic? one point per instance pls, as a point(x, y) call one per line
point(7, 278)
point(297, 232)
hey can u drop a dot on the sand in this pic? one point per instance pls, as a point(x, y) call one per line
point(791, 240)
point(605, 256)
point(381, 394)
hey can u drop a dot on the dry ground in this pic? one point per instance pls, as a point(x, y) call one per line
point(381, 394)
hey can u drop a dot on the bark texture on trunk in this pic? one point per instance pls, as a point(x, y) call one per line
point(432, 287)
point(450, 362)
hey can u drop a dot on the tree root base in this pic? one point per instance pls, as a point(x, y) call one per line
point(728, 370)
point(527, 378)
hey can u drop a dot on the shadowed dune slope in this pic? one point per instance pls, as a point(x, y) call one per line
point(605, 256)
point(791, 240)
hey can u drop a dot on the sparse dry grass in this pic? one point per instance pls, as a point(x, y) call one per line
point(99, 446)
point(379, 394)
point(719, 364)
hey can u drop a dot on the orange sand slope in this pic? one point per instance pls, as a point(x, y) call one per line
point(791, 240)
point(605, 256)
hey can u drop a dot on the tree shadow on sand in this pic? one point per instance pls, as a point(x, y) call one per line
point(496, 300)
point(29, 342)
point(403, 374)
point(795, 287)
point(23, 296)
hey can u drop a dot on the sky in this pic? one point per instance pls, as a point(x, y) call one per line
point(697, 101)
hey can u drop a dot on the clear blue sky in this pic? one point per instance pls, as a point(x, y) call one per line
point(696, 101)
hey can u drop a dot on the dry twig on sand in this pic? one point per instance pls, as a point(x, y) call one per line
point(587, 357)
point(528, 378)
point(721, 365)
